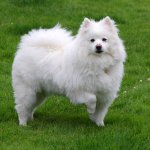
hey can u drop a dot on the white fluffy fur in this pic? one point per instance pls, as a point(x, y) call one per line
point(52, 61)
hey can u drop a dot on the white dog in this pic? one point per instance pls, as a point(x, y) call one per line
point(87, 68)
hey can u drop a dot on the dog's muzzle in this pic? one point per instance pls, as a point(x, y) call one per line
point(99, 49)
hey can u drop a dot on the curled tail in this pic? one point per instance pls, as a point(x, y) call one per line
point(53, 38)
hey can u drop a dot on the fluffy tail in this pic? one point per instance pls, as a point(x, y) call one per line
point(53, 38)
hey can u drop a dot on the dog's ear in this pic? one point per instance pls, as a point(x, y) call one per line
point(85, 24)
point(110, 24)
point(107, 21)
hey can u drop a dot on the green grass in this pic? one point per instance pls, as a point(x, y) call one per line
point(58, 124)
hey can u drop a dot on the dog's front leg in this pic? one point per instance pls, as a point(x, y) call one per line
point(88, 99)
point(103, 103)
point(90, 103)
point(99, 114)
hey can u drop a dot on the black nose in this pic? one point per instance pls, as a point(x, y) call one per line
point(98, 47)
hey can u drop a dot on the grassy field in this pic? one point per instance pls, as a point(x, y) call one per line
point(58, 124)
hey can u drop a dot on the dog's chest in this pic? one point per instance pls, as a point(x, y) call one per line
point(93, 80)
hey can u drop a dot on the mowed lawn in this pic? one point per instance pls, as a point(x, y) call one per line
point(59, 125)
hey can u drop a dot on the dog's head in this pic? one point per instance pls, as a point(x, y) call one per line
point(99, 37)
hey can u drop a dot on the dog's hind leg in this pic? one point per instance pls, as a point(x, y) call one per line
point(40, 98)
point(26, 101)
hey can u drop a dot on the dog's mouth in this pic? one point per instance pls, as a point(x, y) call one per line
point(99, 51)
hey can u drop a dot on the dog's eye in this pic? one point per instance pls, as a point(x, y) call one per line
point(104, 39)
point(92, 40)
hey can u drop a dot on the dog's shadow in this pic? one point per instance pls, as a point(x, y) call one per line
point(63, 120)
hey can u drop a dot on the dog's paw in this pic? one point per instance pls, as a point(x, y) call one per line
point(91, 108)
point(22, 123)
point(100, 123)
